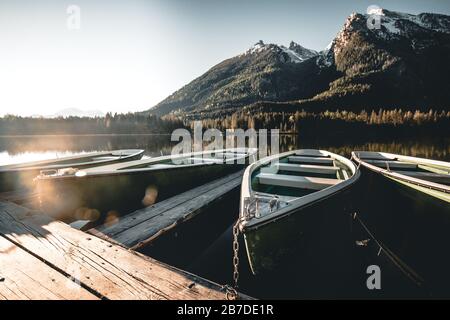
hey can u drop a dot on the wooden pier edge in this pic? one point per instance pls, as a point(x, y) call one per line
point(47, 259)
point(143, 226)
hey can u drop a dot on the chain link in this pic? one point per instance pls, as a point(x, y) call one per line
point(231, 292)
point(236, 254)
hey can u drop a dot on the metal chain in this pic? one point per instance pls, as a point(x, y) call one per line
point(236, 254)
point(231, 292)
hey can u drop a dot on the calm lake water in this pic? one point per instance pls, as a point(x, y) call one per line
point(28, 148)
point(203, 245)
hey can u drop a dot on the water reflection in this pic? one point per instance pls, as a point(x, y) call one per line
point(438, 149)
point(29, 148)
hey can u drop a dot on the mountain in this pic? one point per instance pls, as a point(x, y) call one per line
point(73, 112)
point(382, 59)
point(403, 62)
point(264, 72)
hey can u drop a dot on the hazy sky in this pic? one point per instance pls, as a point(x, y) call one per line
point(130, 54)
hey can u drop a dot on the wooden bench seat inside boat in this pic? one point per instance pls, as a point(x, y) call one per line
point(311, 153)
point(373, 156)
point(282, 180)
point(307, 168)
point(317, 160)
point(392, 164)
point(428, 176)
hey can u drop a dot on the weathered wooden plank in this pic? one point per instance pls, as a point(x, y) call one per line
point(143, 215)
point(25, 277)
point(110, 271)
point(310, 183)
point(145, 232)
point(20, 196)
point(306, 168)
point(368, 155)
point(311, 153)
point(143, 226)
point(318, 160)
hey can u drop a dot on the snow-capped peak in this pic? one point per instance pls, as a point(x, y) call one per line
point(257, 47)
point(398, 23)
point(295, 53)
point(375, 10)
point(387, 25)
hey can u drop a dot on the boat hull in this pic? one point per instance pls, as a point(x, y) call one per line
point(323, 225)
point(413, 225)
point(116, 194)
point(427, 176)
point(421, 191)
point(298, 211)
point(15, 178)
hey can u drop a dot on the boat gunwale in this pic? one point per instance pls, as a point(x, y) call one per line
point(408, 179)
point(108, 170)
point(50, 164)
point(298, 203)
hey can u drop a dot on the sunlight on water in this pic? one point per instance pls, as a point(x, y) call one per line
point(7, 158)
point(24, 149)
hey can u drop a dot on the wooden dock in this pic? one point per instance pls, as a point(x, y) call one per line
point(29, 199)
point(143, 226)
point(42, 258)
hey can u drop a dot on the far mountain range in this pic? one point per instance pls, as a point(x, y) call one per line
point(402, 62)
point(72, 112)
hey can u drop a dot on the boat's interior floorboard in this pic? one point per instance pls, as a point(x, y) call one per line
point(281, 191)
point(311, 160)
point(300, 182)
point(306, 168)
point(309, 174)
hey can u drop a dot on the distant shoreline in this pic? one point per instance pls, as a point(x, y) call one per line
point(104, 135)
point(83, 135)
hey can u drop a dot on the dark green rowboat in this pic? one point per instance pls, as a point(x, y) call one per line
point(20, 176)
point(111, 191)
point(427, 176)
point(285, 199)
point(404, 209)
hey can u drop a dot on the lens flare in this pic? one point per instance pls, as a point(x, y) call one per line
point(151, 194)
point(112, 217)
point(87, 214)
